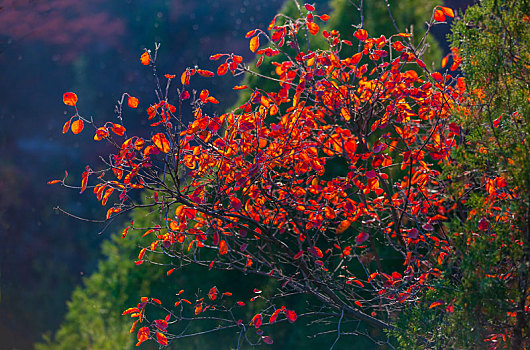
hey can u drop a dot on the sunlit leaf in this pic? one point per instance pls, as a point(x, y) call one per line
point(254, 43)
point(161, 338)
point(313, 28)
point(143, 335)
point(439, 16)
point(77, 126)
point(132, 102)
point(70, 98)
point(161, 142)
point(145, 59)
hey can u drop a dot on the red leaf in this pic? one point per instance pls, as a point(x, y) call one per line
point(309, 7)
point(161, 338)
point(203, 95)
point(361, 34)
point(361, 237)
point(439, 16)
point(291, 315)
point(266, 339)
point(315, 251)
point(222, 69)
point(132, 102)
point(398, 46)
point(212, 294)
point(324, 17)
point(274, 316)
point(143, 335)
point(69, 98)
point(257, 320)
point(223, 247)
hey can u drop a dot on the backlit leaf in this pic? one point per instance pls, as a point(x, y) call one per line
point(132, 102)
point(77, 126)
point(439, 16)
point(161, 142)
point(313, 28)
point(70, 98)
point(66, 126)
point(361, 237)
point(254, 43)
point(448, 11)
point(161, 338)
point(145, 59)
point(223, 247)
point(143, 335)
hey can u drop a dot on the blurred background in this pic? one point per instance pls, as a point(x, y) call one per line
point(48, 47)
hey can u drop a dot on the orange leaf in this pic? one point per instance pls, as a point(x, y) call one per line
point(313, 28)
point(77, 126)
point(185, 78)
point(106, 196)
point(444, 61)
point(161, 142)
point(66, 126)
point(132, 102)
point(133, 326)
point(435, 304)
point(343, 226)
point(254, 43)
point(222, 69)
point(448, 11)
point(198, 308)
point(69, 98)
point(145, 58)
point(240, 87)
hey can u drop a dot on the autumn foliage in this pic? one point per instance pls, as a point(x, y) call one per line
point(332, 186)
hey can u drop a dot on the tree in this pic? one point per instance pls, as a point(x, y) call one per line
point(234, 192)
point(484, 295)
